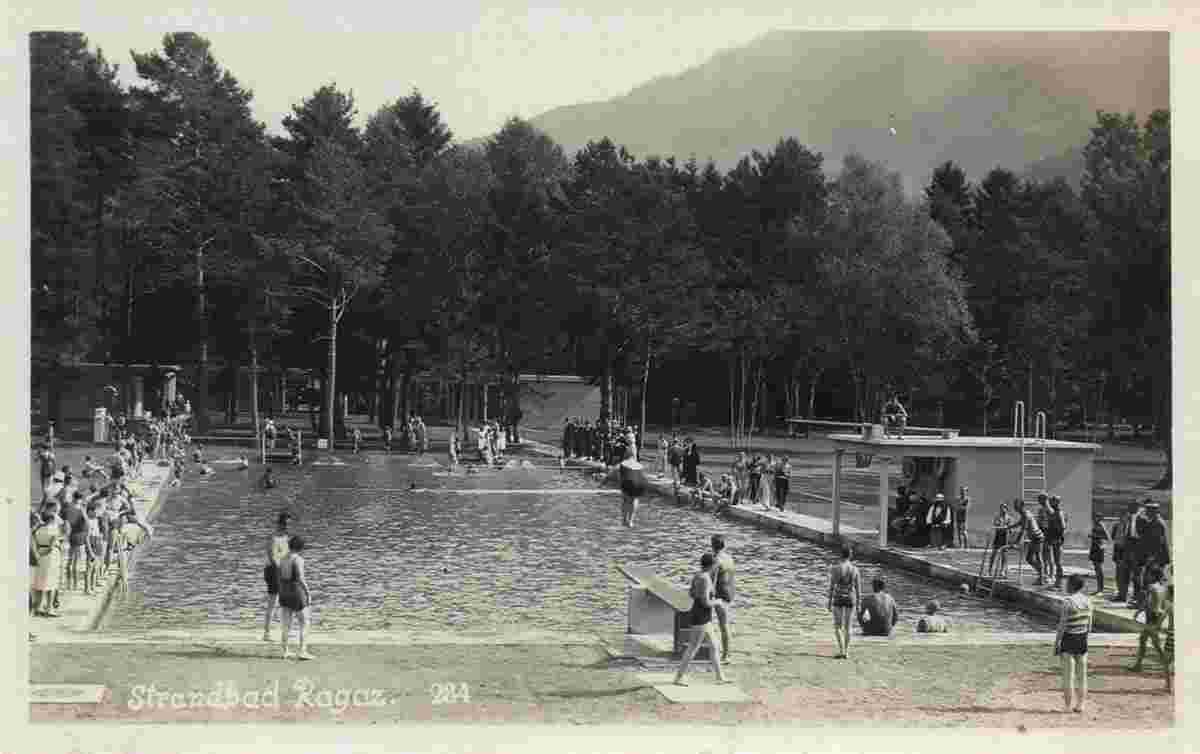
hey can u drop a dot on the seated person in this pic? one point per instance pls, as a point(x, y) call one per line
point(931, 622)
point(895, 418)
point(704, 489)
point(877, 614)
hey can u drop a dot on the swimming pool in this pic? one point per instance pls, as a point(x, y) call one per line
point(482, 554)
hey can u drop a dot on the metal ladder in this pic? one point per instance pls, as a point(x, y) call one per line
point(1033, 453)
point(1033, 463)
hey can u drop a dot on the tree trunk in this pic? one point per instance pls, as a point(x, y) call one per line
point(200, 404)
point(606, 389)
point(645, 387)
point(331, 380)
point(812, 392)
point(732, 406)
point(1162, 426)
point(255, 417)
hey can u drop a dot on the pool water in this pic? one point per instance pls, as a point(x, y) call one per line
point(480, 554)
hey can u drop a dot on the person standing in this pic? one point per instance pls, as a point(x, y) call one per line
point(725, 590)
point(1156, 612)
point(663, 449)
point(387, 438)
point(960, 518)
point(47, 548)
point(1056, 532)
point(1000, 526)
point(878, 614)
point(566, 438)
point(1097, 538)
point(46, 467)
point(1120, 540)
point(1031, 538)
point(633, 486)
point(294, 596)
point(844, 591)
point(1071, 643)
point(357, 440)
point(703, 598)
point(453, 449)
point(675, 458)
point(783, 482)
point(691, 462)
point(766, 484)
point(1133, 553)
point(277, 550)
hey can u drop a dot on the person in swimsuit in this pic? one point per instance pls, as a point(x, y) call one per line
point(357, 440)
point(76, 519)
point(95, 546)
point(1156, 613)
point(783, 482)
point(703, 601)
point(130, 532)
point(453, 449)
point(633, 486)
point(725, 590)
point(1074, 624)
point(294, 597)
point(1000, 527)
point(277, 550)
point(845, 588)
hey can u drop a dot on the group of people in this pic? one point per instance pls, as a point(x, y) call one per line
point(76, 533)
point(680, 458)
point(287, 587)
point(918, 521)
point(605, 440)
point(272, 433)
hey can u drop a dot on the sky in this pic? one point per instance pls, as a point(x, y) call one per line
point(481, 65)
point(481, 62)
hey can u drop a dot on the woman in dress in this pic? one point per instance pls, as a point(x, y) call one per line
point(47, 542)
point(294, 597)
point(1071, 643)
point(845, 588)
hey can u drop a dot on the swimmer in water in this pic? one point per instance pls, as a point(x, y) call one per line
point(243, 464)
point(633, 486)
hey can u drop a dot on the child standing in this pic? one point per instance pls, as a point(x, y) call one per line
point(1098, 537)
point(1074, 624)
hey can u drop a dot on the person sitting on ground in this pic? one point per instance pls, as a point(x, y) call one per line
point(91, 468)
point(931, 622)
point(704, 489)
point(878, 614)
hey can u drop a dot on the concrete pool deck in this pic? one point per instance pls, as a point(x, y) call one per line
point(935, 564)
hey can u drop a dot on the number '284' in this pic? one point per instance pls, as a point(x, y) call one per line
point(451, 693)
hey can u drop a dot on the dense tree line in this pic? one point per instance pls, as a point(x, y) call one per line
point(169, 225)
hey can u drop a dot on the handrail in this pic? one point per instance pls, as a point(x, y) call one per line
point(1039, 425)
point(1019, 419)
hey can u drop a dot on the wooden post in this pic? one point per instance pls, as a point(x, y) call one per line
point(883, 501)
point(837, 484)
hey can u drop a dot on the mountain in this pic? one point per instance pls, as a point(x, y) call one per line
point(981, 99)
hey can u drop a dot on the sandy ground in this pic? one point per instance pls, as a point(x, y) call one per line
point(1000, 686)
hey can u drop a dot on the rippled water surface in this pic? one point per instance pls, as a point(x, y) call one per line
point(460, 555)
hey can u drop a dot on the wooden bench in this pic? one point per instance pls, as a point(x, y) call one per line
point(658, 607)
